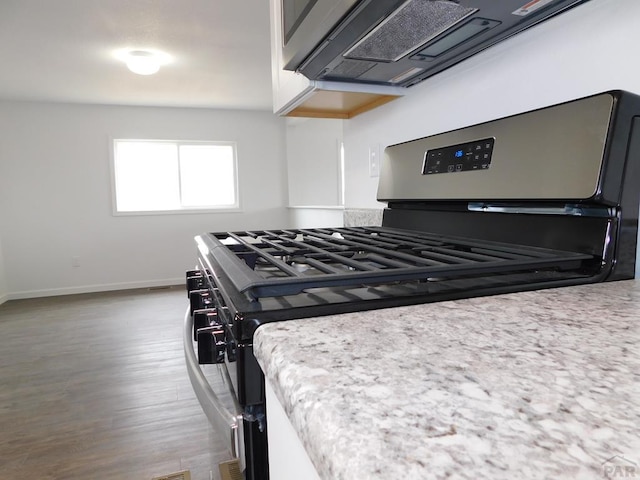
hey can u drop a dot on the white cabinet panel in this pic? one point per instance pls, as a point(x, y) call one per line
point(296, 95)
point(288, 459)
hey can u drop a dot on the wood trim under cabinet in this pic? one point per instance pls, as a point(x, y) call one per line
point(338, 104)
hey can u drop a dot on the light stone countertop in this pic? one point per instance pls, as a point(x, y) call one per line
point(529, 385)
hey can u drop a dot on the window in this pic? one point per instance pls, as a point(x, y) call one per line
point(166, 176)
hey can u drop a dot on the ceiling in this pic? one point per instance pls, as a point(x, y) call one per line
point(62, 51)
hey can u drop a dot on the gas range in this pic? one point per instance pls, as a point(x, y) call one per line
point(284, 274)
point(542, 199)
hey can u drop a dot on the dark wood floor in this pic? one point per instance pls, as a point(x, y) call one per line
point(95, 387)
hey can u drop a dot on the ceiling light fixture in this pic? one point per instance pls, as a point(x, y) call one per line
point(143, 61)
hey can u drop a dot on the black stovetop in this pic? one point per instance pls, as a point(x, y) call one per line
point(297, 273)
point(287, 262)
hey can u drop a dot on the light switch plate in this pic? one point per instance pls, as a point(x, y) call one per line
point(374, 160)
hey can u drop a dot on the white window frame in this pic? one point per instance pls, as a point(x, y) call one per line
point(185, 210)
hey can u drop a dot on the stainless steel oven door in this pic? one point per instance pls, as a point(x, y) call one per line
point(228, 423)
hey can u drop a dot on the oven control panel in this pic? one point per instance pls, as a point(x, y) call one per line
point(463, 157)
point(550, 153)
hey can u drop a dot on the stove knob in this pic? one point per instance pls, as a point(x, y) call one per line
point(203, 318)
point(211, 344)
point(200, 299)
point(231, 351)
point(195, 281)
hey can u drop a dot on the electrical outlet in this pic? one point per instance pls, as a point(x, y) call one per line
point(374, 160)
point(75, 262)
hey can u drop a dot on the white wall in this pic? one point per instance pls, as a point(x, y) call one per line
point(316, 217)
point(589, 49)
point(313, 158)
point(314, 172)
point(3, 282)
point(55, 196)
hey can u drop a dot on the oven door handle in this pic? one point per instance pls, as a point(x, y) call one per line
point(225, 422)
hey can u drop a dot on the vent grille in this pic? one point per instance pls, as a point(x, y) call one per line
point(351, 69)
point(185, 475)
point(230, 470)
point(411, 26)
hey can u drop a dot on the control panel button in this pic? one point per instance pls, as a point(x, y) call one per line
point(475, 155)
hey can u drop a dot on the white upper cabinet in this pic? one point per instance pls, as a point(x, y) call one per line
point(297, 96)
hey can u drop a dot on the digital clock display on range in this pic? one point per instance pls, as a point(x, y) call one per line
point(463, 157)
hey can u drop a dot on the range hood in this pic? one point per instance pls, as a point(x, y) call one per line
point(402, 42)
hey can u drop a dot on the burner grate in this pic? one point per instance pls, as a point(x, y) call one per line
point(286, 262)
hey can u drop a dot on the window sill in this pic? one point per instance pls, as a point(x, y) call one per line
point(316, 207)
point(191, 211)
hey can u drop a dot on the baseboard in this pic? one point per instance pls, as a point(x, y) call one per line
point(107, 287)
point(4, 298)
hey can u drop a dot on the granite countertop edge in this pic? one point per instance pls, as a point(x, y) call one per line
point(543, 383)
